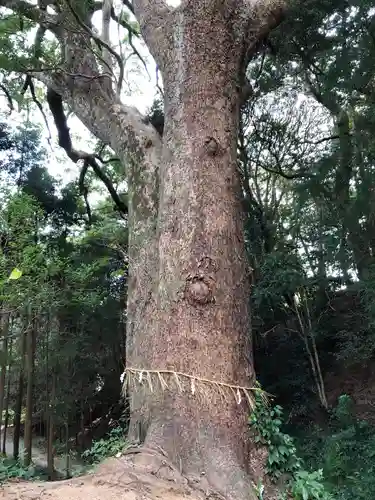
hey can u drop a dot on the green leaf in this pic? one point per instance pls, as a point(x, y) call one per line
point(305, 493)
point(15, 274)
point(118, 273)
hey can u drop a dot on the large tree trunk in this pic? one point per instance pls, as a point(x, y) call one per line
point(204, 320)
point(202, 299)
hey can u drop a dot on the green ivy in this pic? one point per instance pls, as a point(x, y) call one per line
point(267, 422)
point(283, 460)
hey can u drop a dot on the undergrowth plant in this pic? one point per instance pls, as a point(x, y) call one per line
point(110, 446)
point(10, 468)
point(345, 450)
point(283, 460)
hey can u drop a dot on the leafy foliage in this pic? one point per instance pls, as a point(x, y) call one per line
point(111, 445)
point(282, 458)
point(344, 451)
point(10, 469)
point(267, 424)
point(309, 485)
point(66, 282)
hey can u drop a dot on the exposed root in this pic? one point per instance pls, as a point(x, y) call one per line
point(199, 484)
point(157, 463)
point(141, 474)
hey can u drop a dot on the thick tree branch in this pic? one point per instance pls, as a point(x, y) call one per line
point(129, 5)
point(8, 96)
point(122, 127)
point(81, 85)
point(106, 21)
point(109, 185)
point(153, 17)
point(101, 44)
point(262, 17)
point(38, 41)
point(56, 106)
point(84, 191)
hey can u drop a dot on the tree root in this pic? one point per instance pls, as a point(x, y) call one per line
point(197, 483)
point(141, 473)
point(174, 475)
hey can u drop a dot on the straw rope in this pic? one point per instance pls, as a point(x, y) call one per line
point(166, 379)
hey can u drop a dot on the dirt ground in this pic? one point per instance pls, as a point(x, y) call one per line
point(128, 485)
point(116, 479)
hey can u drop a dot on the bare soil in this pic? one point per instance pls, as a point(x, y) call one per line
point(116, 479)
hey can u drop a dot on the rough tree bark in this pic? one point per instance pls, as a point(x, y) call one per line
point(188, 286)
point(201, 305)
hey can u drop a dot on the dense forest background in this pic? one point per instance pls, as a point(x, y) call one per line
point(306, 157)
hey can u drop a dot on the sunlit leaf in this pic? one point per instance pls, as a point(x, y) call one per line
point(15, 274)
point(118, 273)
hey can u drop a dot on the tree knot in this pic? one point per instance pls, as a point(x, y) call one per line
point(211, 146)
point(199, 290)
point(147, 143)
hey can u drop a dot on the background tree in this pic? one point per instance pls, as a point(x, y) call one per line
point(71, 285)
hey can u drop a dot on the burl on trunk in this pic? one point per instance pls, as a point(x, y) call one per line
point(189, 354)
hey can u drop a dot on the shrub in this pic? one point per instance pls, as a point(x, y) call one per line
point(345, 451)
point(283, 459)
point(110, 446)
point(10, 468)
point(267, 422)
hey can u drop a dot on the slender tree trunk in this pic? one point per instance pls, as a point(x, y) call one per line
point(50, 403)
point(4, 331)
point(67, 451)
point(6, 410)
point(51, 429)
point(30, 353)
point(353, 237)
point(19, 400)
point(307, 334)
